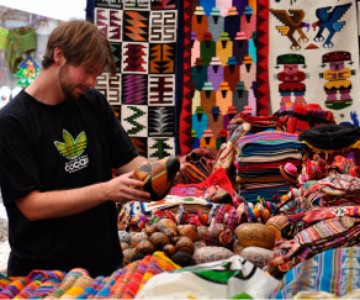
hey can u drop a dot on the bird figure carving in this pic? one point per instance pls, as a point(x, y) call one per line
point(329, 19)
point(293, 22)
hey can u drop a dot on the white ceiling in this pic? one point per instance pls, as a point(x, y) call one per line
point(59, 10)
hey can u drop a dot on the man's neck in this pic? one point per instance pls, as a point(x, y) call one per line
point(46, 88)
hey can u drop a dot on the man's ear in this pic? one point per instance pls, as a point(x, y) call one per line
point(58, 55)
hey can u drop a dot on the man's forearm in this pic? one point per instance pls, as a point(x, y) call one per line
point(53, 204)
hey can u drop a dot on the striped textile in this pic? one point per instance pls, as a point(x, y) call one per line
point(335, 271)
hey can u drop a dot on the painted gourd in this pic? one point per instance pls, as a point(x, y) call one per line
point(158, 176)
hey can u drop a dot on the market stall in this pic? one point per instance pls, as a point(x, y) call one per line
point(246, 202)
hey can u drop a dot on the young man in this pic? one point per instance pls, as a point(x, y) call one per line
point(59, 141)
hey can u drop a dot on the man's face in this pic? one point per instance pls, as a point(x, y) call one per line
point(76, 80)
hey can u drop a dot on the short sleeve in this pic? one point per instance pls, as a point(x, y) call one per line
point(18, 170)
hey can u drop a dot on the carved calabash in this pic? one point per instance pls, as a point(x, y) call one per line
point(145, 247)
point(158, 176)
point(169, 250)
point(185, 244)
point(137, 238)
point(159, 240)
point(128, 254)
point(149, 230)
point(188, 230)
point(255, 234)
point(166, 225)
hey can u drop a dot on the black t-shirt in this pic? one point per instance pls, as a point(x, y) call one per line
point(65, 146)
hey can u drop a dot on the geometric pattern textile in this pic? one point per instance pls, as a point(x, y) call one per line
point(262, 46)
point(314, 55)
point(223, 66)
point(184, 129)
point(143, 35)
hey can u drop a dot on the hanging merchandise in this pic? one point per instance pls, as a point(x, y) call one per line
point(3, 37)
point(28, 71)
point(20, 41)
point(314, 58)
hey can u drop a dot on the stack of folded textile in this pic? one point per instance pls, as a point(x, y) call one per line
point(258, 163)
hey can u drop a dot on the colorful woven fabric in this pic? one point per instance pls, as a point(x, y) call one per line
point(118, 288)
point(36, 279)
point(296, 118)
point(28, 290)
point(45, 289)
point(78, 287)
point(68, 282)
point(333, 271)
point(14, 288)
point(91, 290)
point(4, 281)
point(149, 266)
point(314, 55)
point(333, 190)
point(322, 213)
point(104, 290)
point(145, 42)
point(135, 281)
point(268, 141)
point(158, 263)
point(262, 86)
point(219, 177)
point(223, 64)
point(185, 141)
point(323, 235)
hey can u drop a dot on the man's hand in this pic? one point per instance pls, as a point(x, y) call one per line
point(125, 188)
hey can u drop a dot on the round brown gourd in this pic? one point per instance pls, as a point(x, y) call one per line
point(145, 247)
point(185, 244)
point(159, 240)
point(255, 234)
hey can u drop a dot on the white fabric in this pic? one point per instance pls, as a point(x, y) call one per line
point(185, 284)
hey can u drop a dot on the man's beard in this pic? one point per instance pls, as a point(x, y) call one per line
point(68, 89)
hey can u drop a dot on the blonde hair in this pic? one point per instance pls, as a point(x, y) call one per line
point(81, 42)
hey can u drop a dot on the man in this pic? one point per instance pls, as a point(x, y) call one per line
point(59, 142)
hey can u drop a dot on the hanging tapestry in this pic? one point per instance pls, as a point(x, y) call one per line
point(184, 133)
point(314, 55)
point(222, 67)
point(262, 45)
point(144, 39)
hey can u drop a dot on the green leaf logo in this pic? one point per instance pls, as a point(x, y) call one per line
point(71, 148)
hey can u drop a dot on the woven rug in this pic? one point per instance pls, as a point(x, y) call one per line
point(222, 71)
point(144, 39)
point(262, 38)
point(314, 55)
point(184, 132)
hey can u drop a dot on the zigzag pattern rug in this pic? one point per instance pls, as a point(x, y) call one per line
point(144, 39)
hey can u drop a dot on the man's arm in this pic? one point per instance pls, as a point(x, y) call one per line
point(53, 204)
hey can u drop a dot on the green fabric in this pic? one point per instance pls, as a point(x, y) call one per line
point(19, 41)
point(3, 36)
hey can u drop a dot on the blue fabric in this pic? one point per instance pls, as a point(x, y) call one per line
point(334, 271)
